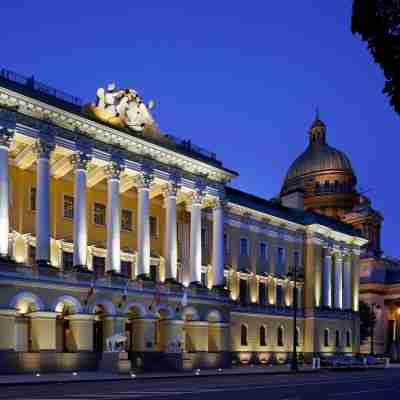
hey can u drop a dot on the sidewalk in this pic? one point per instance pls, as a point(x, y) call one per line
point(21, 379)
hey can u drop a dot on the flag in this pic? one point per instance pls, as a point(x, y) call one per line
point(156, 299)
point(90, 292)
point(125, 294)
point(184, 299)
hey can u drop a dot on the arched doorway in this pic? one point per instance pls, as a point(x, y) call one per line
point(65, 306)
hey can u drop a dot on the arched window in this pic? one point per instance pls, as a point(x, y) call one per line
point(280, 337)
point(263, 336)
point(317, 187)
point(348, 338)
point(297, 337)
point(337, 339)
point(243, 335)
point(326, 337)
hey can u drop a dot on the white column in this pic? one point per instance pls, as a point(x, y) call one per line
point(43, 150)
point(113, 171)
point(327, 281)
point(347, 283)
point(80, 161)
point(170, 244)
point(338, 287)
point(143, 234)
point(5, 141)
point(195, 237)
point(218, 244)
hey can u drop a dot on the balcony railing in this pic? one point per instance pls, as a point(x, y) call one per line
point(39, 87)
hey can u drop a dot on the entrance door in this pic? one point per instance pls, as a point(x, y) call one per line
point(98, 344)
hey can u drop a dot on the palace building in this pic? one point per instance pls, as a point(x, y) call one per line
point(111, 227)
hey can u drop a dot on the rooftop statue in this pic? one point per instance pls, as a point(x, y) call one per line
point(123, 108)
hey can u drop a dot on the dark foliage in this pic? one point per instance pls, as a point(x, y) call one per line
point(378, 24)
point(367, 321)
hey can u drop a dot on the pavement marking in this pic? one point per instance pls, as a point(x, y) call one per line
point(366, 391)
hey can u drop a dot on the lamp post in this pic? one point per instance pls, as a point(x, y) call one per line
point(295, 274)
point(374, 307)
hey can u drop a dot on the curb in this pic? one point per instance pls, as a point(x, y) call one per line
point(157, 377)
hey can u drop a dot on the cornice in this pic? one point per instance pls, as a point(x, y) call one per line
point(110, 136)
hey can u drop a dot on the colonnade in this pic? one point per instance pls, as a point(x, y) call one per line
point(113, 169)
point(336, 281)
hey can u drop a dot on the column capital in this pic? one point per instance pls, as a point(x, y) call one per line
point(6, 137)
point(80, 159)
point(113, 170)
point(144, 180)
point(219, 203)
point(197, 196)
point(171, 189)
point(43, 148)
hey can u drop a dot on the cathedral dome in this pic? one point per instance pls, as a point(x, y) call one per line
point(323, 173)
point(318, 159)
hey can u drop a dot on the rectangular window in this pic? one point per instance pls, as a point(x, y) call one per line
point(262, 293)
point(243, 291)
point(263, 251)
point(99, 214)
point(126, 220)
point(226, 243)
point(153, 227)
point(204, 279)
point(32, 199)
point(126, 269)
point(279, 296)
point(244, 247)
point(68, 260)
point(68, 207)
point(296, 259)
point(280, 260)
point(99, 265)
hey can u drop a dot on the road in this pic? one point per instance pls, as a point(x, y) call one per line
point(365, 385)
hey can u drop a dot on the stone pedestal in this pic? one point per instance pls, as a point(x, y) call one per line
point(43, 330)
point(218, 337)
point(144, 334)
point(81, 328)
point(196, 336)
point(115, 362)
point(7, 329)
point(113, 325)
point(170, 331)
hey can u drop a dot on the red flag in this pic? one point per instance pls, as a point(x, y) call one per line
point(157, 296)
point(90, 292)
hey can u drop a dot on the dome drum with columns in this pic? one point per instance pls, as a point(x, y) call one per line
point(324, 174)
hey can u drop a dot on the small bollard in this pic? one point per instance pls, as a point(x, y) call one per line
point(316, 363)
point(364, 360)
point(387, 362)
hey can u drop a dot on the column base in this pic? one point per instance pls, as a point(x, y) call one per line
point(220, 289)
point(196, 285)
point(172, 281)
point(43, 264)
point(82, 269)
point(144, 277)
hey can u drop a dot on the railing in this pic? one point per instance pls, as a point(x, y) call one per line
point(187, 145)
point(39, 87)
point(29, 83)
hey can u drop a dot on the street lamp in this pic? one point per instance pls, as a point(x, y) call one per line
point(295, 273)
point(374, 307)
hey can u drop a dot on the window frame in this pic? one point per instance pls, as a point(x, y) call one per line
point(247, 246)
point(244, 335)
point(131, 220)
point(94, 214)
point(260, 244)
point(157, 232)
point(263, 342)
point(63, 206)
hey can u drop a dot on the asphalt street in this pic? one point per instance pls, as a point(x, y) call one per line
point(375, 384)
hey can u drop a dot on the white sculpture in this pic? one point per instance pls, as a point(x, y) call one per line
point(123, 107)
point(116, 342)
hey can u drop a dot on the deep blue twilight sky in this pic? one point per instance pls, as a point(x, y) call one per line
point(239, 78)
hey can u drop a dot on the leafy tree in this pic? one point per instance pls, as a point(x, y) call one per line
point(378, 24)
point(367, 320)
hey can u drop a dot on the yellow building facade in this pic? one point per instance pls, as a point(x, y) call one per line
point(109, 227)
